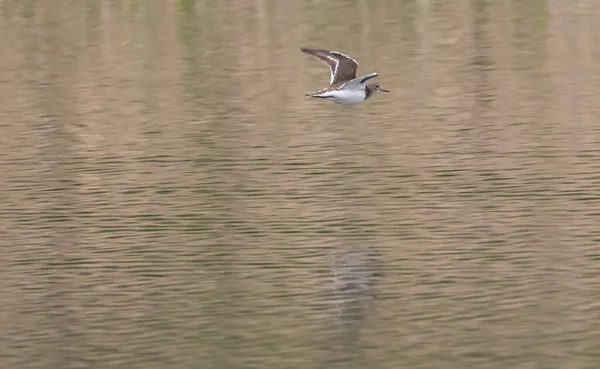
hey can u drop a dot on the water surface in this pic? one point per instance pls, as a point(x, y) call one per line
point(171, 199)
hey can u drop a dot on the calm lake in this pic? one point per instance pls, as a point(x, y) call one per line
point(170, 198)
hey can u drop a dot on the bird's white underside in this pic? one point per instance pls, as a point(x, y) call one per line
point(344, 96)
point(351, 92)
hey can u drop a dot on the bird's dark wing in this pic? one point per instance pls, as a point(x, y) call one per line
point(342, 67)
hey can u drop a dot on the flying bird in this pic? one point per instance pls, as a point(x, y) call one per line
point(344, 87)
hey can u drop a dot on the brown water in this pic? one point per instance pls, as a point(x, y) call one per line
point(171, 199)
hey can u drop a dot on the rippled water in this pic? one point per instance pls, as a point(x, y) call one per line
point(171, 199)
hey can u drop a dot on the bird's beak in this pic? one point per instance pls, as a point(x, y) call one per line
point(384, 90)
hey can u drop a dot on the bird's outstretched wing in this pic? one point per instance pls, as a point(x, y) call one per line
point(342, 67)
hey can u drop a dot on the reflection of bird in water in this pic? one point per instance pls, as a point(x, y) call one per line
point(352, 281)
point(353, 271)
point(353, 276)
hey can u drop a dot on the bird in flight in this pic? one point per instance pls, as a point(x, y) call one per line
point(344, 87)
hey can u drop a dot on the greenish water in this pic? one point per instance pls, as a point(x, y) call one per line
point(171, 199)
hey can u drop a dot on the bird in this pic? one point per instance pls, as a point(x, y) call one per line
point(344, 87)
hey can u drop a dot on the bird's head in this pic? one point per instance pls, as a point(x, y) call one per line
point(376, 87)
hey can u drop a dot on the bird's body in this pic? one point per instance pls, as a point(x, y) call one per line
point(342, 96)
point(344, 87)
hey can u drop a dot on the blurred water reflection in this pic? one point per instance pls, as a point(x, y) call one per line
point(173, 200)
